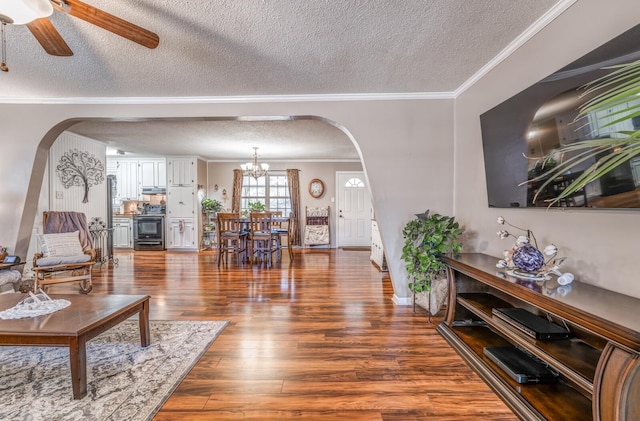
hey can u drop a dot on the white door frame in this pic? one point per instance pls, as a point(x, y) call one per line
point(361, 175)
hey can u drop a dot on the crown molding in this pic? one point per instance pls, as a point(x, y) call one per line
point(537, 26)
point(232, 99)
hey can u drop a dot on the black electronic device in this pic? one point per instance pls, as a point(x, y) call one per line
point(520, 366)
point(469, 323)
point(11, 259)
point(532, 325)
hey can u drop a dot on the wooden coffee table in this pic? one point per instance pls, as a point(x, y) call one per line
point(86, 317)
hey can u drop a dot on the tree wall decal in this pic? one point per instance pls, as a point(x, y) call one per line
point(80, 168)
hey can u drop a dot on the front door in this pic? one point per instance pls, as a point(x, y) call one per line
point(353, 210)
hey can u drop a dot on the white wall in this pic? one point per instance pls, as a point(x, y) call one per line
point(602, 246)
point(70, 199)
point(406, 147)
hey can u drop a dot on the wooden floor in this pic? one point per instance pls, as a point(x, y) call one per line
point(315, 339)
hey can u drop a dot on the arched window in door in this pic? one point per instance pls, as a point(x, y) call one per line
point(354, 183)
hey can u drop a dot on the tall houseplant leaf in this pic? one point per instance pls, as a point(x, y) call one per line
point(615, 88)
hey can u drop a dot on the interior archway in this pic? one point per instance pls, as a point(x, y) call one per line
point(311, 135)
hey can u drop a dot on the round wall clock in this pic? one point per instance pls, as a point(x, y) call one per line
point(316, 188)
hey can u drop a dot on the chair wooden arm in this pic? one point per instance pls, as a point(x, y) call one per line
point(36, 256)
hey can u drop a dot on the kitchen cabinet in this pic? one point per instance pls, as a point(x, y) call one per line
point(153, 173)
point(377, 251)
point(182, 172)
point(112, 167)
point(128, 187)
point(181, 202)
point(182, 233)
point(122, 233)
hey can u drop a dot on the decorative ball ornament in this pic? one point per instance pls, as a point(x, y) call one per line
point(527, 258)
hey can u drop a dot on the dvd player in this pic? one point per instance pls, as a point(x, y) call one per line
point(520, 366)
point(532, 325)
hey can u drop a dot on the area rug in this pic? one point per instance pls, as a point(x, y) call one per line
point(124, 380)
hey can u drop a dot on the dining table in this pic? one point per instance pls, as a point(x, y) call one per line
point(245, 223)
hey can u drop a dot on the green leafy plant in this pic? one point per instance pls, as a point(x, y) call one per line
point(618, 87)
point(257, 206)
point(426, 239)
point(211, 205)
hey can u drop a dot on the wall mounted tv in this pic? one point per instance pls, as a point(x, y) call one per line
point(538, 120)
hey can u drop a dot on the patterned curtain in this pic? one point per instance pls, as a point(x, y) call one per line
point(237, 190)
point(293, 178)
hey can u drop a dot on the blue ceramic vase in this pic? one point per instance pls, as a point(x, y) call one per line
point(528, 258)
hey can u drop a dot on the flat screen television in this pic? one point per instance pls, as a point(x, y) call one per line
point(538, 120)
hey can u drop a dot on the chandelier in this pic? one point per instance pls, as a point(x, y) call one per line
point(253, 169)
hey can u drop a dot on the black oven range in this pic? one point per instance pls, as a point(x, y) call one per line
point(148, 229)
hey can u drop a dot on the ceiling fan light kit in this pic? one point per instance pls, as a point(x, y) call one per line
point(21, 12)
point(35, 13)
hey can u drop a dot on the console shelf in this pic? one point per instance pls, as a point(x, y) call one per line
point(598, 367)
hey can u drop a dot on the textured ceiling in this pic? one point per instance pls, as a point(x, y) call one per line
point(226, 140)
point(213, 48)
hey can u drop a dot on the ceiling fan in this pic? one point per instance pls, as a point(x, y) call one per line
point(35, 14)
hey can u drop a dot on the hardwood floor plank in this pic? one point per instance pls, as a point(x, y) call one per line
point(260, 415)
point(316, 339)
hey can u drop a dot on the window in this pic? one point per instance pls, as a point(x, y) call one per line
point(353, 183)
point(271, 190)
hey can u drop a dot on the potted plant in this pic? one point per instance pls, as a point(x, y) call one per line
point(427, 238)
point(211, 205)
point(257, 207)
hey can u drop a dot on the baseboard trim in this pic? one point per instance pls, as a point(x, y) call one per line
point(402, 301)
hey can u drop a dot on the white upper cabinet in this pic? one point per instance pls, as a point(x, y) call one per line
point(153, 173)
point(182, 172)
point(128, 187)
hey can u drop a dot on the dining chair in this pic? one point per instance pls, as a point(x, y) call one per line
point(231, 237)
point(291, 229)
point(286, 231)
point(278, 230)
point(262, 239)
point(276, 224)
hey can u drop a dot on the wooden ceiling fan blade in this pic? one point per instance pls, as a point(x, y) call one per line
point(112, 23)
point(49, 37)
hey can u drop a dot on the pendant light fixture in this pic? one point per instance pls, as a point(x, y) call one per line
point(254, 169)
